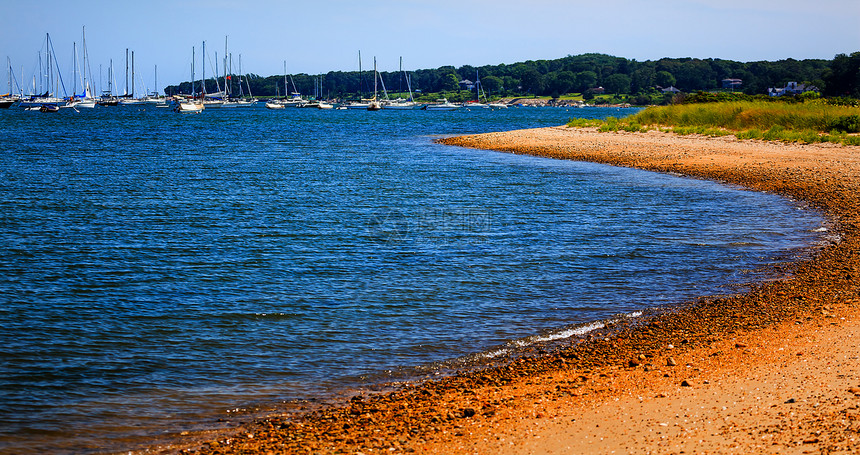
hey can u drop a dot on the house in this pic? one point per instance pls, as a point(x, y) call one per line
point(466, 84)
point(732, 83)
point(670, 89)
point(791, 88)
point(598, 90)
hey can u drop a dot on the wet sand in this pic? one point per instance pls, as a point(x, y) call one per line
point(774, 370)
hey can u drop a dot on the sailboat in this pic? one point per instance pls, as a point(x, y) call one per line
point(374, 105)
point(35, 102)
point(276, 103)
point(108, 98)
point(86, 99)
point(7, 100)
point(400, 103)
point(243, 101)
point(154, 98)
point(128, 99)
point(191, 105)
point(477, 104)
point(361, 103)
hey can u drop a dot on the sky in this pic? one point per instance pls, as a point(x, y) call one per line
point(315, 37)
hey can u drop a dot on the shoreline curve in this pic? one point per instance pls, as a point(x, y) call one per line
point(770, 370)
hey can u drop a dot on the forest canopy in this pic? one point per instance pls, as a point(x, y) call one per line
point(572, 74)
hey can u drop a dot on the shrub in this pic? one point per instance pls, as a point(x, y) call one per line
point(845, 123)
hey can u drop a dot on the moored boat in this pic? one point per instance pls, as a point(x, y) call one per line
point(476, 105)
point(192, 104)
point(442, 104)
point(39, 101)
point(189, 106)
point(7, 101)
point(374, 104)
point(400, 104)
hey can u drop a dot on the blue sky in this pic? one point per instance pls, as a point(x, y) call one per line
point(325, 35)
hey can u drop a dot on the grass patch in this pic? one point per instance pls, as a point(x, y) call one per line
point(812, 121)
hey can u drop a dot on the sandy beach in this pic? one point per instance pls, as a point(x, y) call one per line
point(773, 370)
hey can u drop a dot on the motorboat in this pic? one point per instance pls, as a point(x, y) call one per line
point(442, 104)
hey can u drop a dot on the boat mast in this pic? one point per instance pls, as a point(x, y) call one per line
point(74, 67)
point(126, 72)
point(247, 82)
point(360, 78)
point(226, 90)
point(84, 56)
point(193, 93)
point(203, 78)
point(59, 78)
point(48, 63)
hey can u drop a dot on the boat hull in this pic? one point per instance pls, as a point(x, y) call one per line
point(189, 108)
point(39, 102)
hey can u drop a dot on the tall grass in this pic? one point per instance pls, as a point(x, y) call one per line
point(745, 115)
point(812, 121)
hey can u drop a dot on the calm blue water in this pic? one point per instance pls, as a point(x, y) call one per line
point(159, 269)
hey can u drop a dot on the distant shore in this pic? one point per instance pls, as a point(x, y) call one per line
point(772, 370)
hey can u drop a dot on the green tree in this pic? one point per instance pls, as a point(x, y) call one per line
point(617, 83)
point(695, 74)
point(585, 80)
point(450, 82)
point(664, 79)
point(559, 82)
point(843, 79)
point(532, 80)
point(492, 84)
point(643, 79)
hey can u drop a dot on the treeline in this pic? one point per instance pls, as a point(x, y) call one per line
point(572, 74)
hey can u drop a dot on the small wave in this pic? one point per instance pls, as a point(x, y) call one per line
point(821, 229)
point(576, 331)
point(494, 354)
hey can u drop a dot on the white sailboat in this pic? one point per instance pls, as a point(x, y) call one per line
point(400, 103)
point(361, 103)
point(192, 105)
point(154, 99)
point(128, 99)
point(48, 98)
point(477, 104)
point(86, 100)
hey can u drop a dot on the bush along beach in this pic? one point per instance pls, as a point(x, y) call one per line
point(810, 120)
